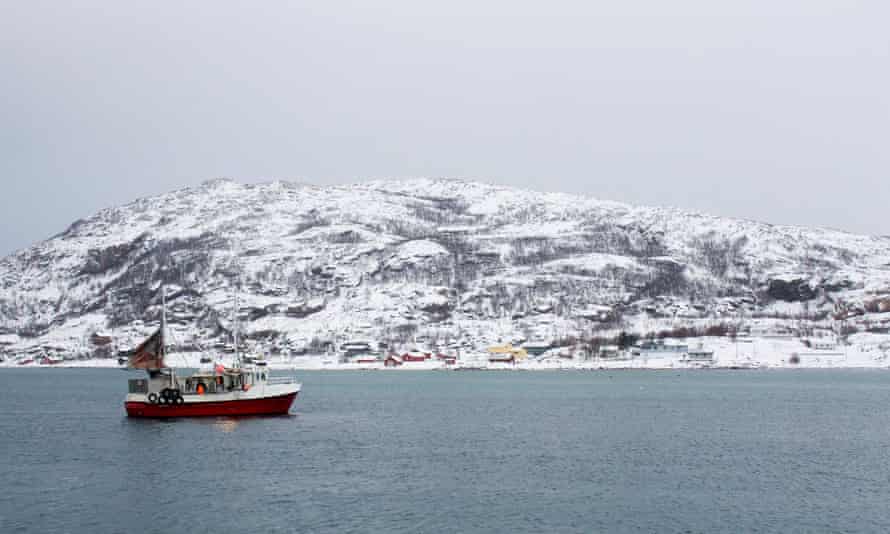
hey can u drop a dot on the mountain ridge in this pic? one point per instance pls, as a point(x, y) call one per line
point(421, 254)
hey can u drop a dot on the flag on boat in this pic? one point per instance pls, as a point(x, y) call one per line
point(150, 354)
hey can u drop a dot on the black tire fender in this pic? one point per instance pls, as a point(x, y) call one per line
point(152, 398)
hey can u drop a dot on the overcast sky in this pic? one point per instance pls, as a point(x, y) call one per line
point(777, 111)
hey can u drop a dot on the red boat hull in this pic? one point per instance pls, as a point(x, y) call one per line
point(265, 406)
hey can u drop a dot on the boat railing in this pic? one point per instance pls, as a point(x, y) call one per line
point(281, 380)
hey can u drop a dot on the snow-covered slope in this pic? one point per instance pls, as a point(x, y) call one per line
point(441, 259)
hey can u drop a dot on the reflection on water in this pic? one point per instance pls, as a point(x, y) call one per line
point(226, 425)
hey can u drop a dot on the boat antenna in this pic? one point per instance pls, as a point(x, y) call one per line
point(236, 325)
point(163, 315)
point(235, 322)
point(163, 320)
point(164, 330)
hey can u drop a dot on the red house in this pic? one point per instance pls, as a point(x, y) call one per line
point(413, 357)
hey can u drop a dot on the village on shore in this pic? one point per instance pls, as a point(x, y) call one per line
point(763, 349)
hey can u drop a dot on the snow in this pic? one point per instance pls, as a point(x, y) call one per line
point(596, 262)
point(413, 252)
point(372, 258)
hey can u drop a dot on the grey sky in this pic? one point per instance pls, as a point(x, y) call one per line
point(778, 111)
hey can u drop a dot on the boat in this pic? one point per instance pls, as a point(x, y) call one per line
point(239, 390)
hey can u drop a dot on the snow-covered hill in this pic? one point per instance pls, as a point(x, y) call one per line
point(442, 260)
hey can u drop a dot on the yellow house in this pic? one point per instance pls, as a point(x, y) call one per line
point(504, 353)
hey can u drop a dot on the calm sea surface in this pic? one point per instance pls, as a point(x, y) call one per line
point(634, 451)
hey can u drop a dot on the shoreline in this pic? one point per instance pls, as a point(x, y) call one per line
point(519, 367)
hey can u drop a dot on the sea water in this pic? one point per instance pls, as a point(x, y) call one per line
point(631, 451)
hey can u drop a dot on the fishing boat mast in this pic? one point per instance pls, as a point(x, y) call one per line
point(235, 326)
point(164, 332)
point(235, 323)
point(163, 320)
